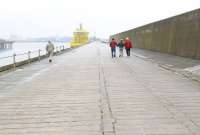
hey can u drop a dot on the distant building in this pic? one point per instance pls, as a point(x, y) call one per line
point(80, 37)
point(5, 44)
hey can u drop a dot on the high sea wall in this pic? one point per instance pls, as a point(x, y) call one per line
point(178, 35)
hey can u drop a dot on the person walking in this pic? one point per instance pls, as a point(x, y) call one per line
point(128, 45)
point(121, 48)
point(50, 50)
point(113, 45)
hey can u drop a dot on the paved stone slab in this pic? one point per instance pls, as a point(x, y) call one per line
point(86, 92)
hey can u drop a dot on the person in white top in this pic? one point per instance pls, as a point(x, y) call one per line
point(50, 50)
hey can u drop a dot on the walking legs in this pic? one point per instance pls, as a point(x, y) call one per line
point(113, 52)
point(128, 52)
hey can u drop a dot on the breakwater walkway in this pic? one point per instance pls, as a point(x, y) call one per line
point(86, 92)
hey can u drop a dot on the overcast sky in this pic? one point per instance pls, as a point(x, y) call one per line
point(42, 18)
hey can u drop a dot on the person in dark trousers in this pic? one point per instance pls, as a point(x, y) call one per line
point(128, 45)
point(121, 48)
point(113, 45)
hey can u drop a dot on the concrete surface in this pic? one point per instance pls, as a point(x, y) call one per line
point(86, 92)
point(185, 66)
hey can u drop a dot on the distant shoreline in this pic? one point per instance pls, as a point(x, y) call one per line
point(39, 41)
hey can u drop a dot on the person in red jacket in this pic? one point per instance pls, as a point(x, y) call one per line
point(113, 45)
point(128, 45)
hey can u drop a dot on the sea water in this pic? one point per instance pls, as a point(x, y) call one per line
point(21, 50)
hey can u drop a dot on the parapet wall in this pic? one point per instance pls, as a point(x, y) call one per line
point(179, 35)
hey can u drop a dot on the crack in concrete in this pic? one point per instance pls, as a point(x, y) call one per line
point(105, 100)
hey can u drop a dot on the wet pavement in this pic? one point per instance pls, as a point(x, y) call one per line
point(86, 92)
point(190, 68)
point(172, 61)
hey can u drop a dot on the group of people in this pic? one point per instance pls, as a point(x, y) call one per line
point(127, 44)
point(124, 43)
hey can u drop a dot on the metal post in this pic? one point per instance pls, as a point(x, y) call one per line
point(56, 49)
point(29, 57)
point(39, 54)
point(60, 48)
point(14, 61)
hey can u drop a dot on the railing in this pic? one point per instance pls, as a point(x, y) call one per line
point(15, 60)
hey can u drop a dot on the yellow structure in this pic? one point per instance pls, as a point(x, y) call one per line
point(80, 36)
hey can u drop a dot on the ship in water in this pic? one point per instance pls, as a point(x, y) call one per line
point(5, 44)
point(80, 37)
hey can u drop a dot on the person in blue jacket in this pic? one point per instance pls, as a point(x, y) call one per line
point(121, 47)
